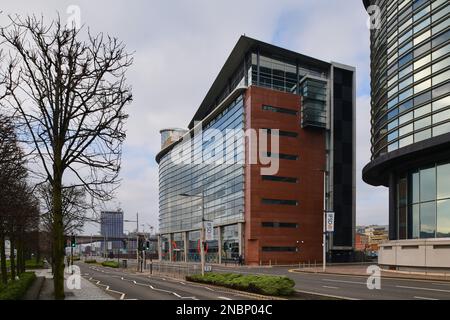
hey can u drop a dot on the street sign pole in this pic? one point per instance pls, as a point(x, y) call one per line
point(202, 247)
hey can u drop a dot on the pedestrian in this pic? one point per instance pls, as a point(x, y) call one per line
point(240, 260)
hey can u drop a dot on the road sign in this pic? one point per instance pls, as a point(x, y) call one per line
point(209, 231)
point(330, 221)
point(208, 268)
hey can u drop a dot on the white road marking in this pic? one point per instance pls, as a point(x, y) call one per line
point(224, 298)
point(326, 295)
point(344, 281)
point(425, 298)
point(329, 287)
point(426, 289)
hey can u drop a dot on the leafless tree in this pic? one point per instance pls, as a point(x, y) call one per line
point(74, 208)
point(18, 207)
point(69, 91)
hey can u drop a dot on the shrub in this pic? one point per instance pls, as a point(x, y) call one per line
point(90, 261)
point(262, 284)
point(15, 290)
point(34, 264)
point(111, 264)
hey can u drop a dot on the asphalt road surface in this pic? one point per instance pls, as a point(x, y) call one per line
point(355, 287)
point(129, 286)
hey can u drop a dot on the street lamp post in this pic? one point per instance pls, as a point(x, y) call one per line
point(324, 217)
point(137, 238)
point(202, 232)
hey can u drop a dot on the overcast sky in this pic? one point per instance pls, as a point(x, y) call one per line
point(180, 46)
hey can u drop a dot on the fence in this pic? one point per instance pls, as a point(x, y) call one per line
point(179, 271)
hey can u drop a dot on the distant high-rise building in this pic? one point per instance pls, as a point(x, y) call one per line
point(410, 73)
point(112, 227)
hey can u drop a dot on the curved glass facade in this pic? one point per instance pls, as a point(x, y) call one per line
point(423, 203)
point(410, 73)
point(223, 184)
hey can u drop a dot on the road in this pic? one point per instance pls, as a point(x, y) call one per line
point(355, 287)
point(136, 286)
point(129, 286)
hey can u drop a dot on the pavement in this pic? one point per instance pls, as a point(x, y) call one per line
point(88, 291)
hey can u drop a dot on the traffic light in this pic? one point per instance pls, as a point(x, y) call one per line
point(147, 245)
point(73, 242)
point(124, 244)
point(141, 244)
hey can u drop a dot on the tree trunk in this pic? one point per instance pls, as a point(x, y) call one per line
point(58, 231)
point(4, 276)
point(20, 256)
point(12, 258)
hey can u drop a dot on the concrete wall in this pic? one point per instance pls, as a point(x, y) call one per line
point(429, 253)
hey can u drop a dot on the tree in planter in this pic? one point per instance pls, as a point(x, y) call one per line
point(69, 95)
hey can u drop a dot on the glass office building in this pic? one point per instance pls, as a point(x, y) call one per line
point(410, 82)
point(111, 226)
point(264, 218)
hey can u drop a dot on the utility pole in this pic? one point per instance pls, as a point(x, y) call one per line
point(202, 232)
point(324, 252)
point(137, 240)
point(202, 249)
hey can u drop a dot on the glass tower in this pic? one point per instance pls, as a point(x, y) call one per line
point(410, 109)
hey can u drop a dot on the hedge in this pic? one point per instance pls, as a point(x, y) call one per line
point(91, 261)
point(262, 284)
point(111, 264)
point(16, 290)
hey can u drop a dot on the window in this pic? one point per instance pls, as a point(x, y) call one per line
point(422, 135)
point(428, 184)
point(441, 116)
point(439, 91)
point(422, 25)
point(406, 129)
point(282, 156)
point(279, 110)
point(406, 141)
point(282, 133)
point(280, 202)
point(440, 52)
point(405, 83)
point(422, 37)
point(407, 117)
point(441, 103)
point(422, 86)
point(441, 129)
point(279, 225)
point(441, 77)
point(443, 182)
point(422, 111)
point(427, 219)
point(279, 249)
point(422, 74)
point(280, 179)
point(421, 62)
point(422, 123)
point(443, 218)
point(424, 97)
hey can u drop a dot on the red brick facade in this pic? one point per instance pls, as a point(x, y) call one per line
point(308, 214)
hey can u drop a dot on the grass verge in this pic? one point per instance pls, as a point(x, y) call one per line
point(111, 264)
point(261, 284)
point(15, 290)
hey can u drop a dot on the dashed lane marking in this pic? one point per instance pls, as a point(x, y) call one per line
point(425, 298)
